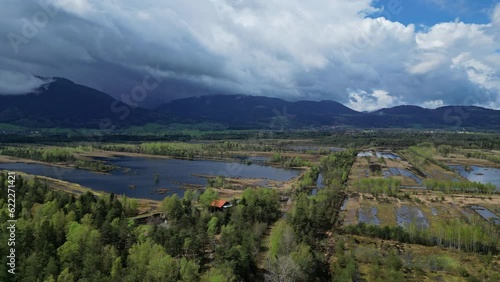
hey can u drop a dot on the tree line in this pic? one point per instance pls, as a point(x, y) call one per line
point(377, 186)
point(66, 155)
point(454, 234)
point(459, 186)
point(287, 161)
point(424, 153)
point(481, 155)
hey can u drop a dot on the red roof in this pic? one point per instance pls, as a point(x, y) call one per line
point(218, 203)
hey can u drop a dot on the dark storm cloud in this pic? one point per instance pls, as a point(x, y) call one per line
point(301, 50)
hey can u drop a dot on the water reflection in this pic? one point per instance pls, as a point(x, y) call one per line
point(479, 174)
point(406, 215)
point(486, 214)
point(387, 155)
point(137, 176)
point(368, 216)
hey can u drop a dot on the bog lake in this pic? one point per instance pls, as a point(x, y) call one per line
point(140, 173)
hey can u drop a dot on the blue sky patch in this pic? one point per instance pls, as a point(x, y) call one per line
point(431, 12)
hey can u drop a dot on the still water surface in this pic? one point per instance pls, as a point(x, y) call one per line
point(479, 174)
point(141, 173)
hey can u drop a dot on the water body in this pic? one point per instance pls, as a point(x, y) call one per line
point(486, 214)
point(434, 211)
point(141, 173)
point(344, 204)
point(319, 182)
point(406, 215)
point(479, 174)
point(387, 155)
point(319, 185)
point(400, 171)
point(368, 216)
point(365, 154)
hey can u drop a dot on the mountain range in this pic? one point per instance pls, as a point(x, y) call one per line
point(62, 103)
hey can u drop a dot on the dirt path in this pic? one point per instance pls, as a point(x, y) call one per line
point(352, 206)
point(260, 259)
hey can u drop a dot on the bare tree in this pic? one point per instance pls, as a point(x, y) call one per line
point(282, 269)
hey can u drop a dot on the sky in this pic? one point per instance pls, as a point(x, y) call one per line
point(365, 54)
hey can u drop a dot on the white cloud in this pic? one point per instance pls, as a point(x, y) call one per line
point(12, 83)
point(360, 100)
point(496, 15)
point(427, 63)
point(432, 104)
point(79, 7)
point(477, 71)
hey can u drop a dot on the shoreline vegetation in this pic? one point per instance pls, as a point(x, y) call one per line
point(84, 157)
point(58, 156)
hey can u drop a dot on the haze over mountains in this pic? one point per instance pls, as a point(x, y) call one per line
point(62, 103)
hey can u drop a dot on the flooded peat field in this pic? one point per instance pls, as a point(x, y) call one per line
point(387, 155)
point(395, 171)
point(479, 174)
point(368, 215)
point(486, 214)
point(407, 215)
point(404, 216)
point(137, 177)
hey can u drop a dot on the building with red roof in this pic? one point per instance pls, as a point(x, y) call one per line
point(220, 205)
